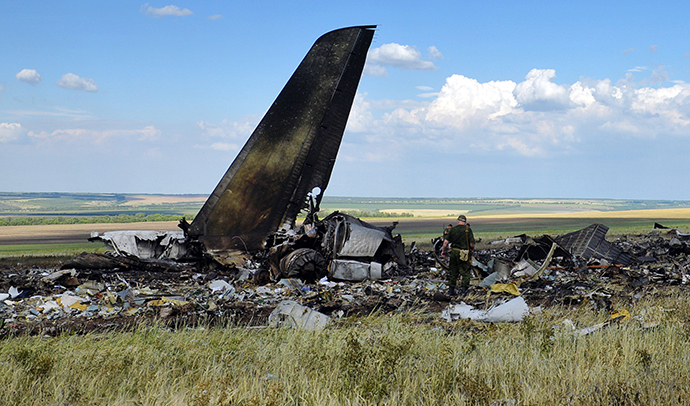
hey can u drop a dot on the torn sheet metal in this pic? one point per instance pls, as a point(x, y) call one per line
point(502, 267)
point(354, 271)
point(590, 243)
point(144, 244)
point(353, 239)
point(524, 268)
point(511, 311)
point(291, 153)
point(291, 314)
point(486, 269)
point(489, 280)
point(347, 237)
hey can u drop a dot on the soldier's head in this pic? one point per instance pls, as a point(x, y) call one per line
point(462, 220)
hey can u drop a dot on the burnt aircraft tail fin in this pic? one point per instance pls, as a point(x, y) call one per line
point(291, 152)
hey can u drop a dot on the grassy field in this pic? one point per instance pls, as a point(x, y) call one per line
point(407, 358)
point(20, 250)
point(491, 218)
point(485, 206)
point(94, 204)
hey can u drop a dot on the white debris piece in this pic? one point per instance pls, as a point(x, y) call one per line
point(14, 292)
point(68, 299)
point(56, 275)
point(291, 314)
point(145, 244)
point(511, 311)
point(219, 285)
point(524, 268)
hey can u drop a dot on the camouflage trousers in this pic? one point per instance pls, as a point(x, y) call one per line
point(457, 268)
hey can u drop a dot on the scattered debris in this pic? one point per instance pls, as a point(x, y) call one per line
point(615, 318)
point(243, 258)
point(116, 291)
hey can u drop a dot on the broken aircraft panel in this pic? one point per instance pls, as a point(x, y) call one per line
point(590, 243)
point(144, 244)
point(291, 152)
point(340, 246)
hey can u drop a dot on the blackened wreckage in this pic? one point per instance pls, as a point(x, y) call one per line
point(282, 171)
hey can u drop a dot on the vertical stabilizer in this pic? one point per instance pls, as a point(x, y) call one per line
point(293, 149)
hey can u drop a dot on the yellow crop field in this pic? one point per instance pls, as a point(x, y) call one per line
point(143, 200)
point(676, 213)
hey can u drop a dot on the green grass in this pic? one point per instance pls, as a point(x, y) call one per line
point(486, 206)
point(402, 359)
point(49, 249)
point(96, 204)
point(86, 204)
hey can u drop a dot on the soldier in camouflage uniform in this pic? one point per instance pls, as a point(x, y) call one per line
point(460, 240)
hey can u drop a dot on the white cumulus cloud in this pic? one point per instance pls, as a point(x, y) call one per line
point(374, 70)
point(581, 95)
point(166, 11)
point(360, 114)
point(10, 131)
point(534, 118)
point(400, 56)
point(74, 82)
point(215, 17)
point(29, 76)
point(462, 101)
point(538, 92)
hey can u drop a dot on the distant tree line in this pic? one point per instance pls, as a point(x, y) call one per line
point(120, 218)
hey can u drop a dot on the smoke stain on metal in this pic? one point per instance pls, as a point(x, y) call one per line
point(291, 152)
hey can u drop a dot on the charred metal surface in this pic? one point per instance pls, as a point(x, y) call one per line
point(337, 241)
point(590, 243)
point(291, 152)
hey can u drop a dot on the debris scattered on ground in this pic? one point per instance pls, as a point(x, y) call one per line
point(118, 292)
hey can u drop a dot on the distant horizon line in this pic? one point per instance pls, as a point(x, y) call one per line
point(362, 197)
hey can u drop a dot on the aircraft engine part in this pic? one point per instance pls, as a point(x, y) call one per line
point(304, 263)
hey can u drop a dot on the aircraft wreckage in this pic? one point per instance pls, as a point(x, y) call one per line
point(281, 171)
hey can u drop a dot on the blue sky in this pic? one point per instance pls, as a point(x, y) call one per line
point(458, 99)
